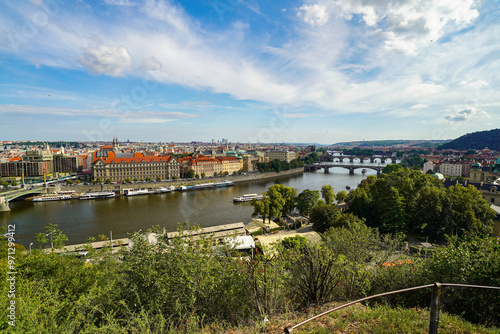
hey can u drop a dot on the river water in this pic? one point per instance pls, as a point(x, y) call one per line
point(124, 215)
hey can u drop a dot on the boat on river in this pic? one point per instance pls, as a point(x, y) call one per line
point(224, 183)
point(135, 192)
point(247, 198)
point(55, 197)
point(161, 190)
point(97, 195)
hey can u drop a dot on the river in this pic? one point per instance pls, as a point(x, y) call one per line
point(122, 215)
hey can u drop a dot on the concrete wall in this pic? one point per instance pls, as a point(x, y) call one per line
point(235, 179)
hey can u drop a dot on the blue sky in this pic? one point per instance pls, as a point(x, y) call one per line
point(250, 71)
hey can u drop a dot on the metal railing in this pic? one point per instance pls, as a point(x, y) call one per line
point(434, 308)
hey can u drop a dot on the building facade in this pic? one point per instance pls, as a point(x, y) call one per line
point(138, 167)
point(287, 156)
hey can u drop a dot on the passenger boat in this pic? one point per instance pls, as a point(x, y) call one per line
point(247, 198)
point(161, 190)
point(97, 195)
point(135, 192)
point(224, 184)
point(56, 197)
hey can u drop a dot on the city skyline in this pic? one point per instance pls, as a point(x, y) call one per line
point(287, 71)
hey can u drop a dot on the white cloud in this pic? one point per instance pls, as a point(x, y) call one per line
point(424, 89)
point(107, 60)
point(465, 115)
point(313, 14)
point(420, 106)
point(150, 64)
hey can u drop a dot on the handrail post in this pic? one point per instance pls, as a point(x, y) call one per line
point(435, 305)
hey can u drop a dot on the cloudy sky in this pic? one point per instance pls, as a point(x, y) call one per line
point(249, 71)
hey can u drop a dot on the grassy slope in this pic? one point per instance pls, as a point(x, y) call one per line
point(363, 319)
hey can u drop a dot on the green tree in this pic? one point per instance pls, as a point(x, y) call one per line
point(297, 242)
point(99, 180)
point(323, 217)
point(190, 174)
point(77, 181)
point(108, 181)
point(203, 175)
point(196, 176)
point(14, 183)
point(148, 179)
point(341, 196)
point(127, 180)
point(328, 194)
point(306, 200)
point(69, 182)
point(158, 178)
point(262, 207)
point(52, 235)
point(215, 174)
point(391, 168)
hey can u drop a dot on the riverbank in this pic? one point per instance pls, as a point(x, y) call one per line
point(118, 188)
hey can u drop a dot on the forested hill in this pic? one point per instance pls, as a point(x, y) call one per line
point(476, 140)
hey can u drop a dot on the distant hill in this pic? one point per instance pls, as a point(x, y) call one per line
point(475, 141)
point(389, 143)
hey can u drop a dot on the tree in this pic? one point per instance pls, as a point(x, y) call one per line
point(190, 174)
point(99, 180)
point(277, 201)
point(262, 208)
point(289, 195)
point(57, 238)
point(136, 179)
point(127, 180)
point(108, 181)
point(148, 179)
point(391, 168)
point(158, 178)
point(324, 216)
point(14, 183)
point(69, 182)
point(306, 200)
point(328, 194)
point(196, 176)
point(341, 196)
point(77, 181)
point(215, 174)
point(203, 175)
point(297, 242)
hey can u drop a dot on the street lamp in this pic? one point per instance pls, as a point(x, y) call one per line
point(31, 244)
point(51, 243)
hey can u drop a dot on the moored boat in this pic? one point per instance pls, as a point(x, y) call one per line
point(161, 190)
point(56, 197)
point(247, 198)
point(97, 195)
point(224, 183)
point(135, 192)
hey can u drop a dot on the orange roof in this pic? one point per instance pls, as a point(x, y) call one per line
point(15, 159)
point(137, 158)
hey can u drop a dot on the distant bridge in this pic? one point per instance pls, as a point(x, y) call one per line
point(351, 167)
point(6, 197)
point(361, 158)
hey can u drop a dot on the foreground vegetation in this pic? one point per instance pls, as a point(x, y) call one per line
point(186, 285)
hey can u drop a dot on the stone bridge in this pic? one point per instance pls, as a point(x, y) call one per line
point(6, 197)
point(350, 167)
point(362, 158)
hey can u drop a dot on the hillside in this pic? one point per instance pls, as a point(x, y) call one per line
point(476, 141)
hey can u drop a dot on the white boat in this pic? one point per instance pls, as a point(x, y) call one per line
point(161, 190)
point(135, 192)
point(224, 184)
point(97, 195)
point(247, 198)
point(45, 198)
